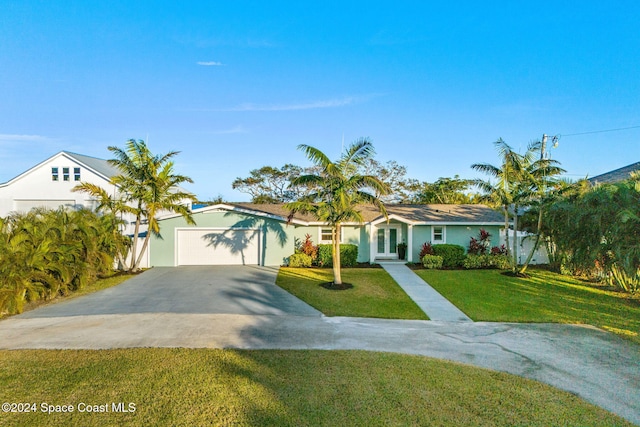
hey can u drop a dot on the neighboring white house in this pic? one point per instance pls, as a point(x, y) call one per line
point(49, 183)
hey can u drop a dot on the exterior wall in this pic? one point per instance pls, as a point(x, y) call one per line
point(276, 237)
point(455, 234)
point(36, 188)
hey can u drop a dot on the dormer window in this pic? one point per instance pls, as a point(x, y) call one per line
point(54, 174)
point(76, 174)
point(65, 174)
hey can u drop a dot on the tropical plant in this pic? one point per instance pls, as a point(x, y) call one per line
point(338, 192)
point(150, 186)
point(426, 249)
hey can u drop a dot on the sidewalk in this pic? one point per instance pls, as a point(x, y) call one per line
point(428, 299)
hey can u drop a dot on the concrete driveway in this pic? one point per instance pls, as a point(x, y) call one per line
point(189, 290)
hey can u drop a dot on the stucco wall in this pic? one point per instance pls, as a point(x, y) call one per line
point(455, 234)
point(276, 237)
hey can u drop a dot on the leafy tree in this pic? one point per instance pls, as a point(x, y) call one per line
point(504, 192)
point(338, 191)
point(150, 186)
point(445, 190)
point(272, 185)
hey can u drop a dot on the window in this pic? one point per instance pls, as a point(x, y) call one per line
point(327, 237)
point(54, 174)
point(438, 234)
point(76, 174)
point(65, 174)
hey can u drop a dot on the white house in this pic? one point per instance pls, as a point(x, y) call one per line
point(49, 183)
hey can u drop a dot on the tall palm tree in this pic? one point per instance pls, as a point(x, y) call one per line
point(151, 187)
point(338, 192)
point(503, 192)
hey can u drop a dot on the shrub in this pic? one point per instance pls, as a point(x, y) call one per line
point(499, 250)
point(480, 245)
point(308, 248)
point(473, 261)
point(426, 249)
point(348, 255)
point(501, 262)
point(452, 255)
point(432, 261)
point(300, 260)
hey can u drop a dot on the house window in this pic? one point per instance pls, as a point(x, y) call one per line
point(54, 174)
point(76, 174)
point(327, 237)
point(438, 234)
point(65, 174)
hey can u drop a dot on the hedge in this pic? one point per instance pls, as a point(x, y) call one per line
point(452, 255)
point(348, 255)
point(300, 260)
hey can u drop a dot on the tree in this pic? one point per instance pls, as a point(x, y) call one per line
point(501, 193)
point(390, 173)
point(272, 185)
point(338, 191)
point(150, 186)
point(445, 190)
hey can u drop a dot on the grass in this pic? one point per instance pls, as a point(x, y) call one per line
point(98, 285)
point(488, 295)
point(186, 387)
point(374, 293)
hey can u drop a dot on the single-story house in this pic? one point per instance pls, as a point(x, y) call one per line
point(615, 175)
point(259, 234)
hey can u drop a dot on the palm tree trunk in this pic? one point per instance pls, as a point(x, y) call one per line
point(337, 276)
point(142, 251)
point(535, 245)
point(515, 237)
point(134, 246)
point(506, 229)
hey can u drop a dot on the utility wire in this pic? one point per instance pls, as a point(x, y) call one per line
point(600, 131)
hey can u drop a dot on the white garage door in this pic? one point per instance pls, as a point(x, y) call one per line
point(201, 246)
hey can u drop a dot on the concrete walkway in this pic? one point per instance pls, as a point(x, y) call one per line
point(428, 299)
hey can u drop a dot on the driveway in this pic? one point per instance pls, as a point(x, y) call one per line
point(247, 290)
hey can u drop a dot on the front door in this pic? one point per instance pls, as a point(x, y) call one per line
point(387, 240)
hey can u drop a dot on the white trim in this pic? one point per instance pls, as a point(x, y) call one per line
point(444, 234)
point(387, 242)
point(390, 217)
point(409, 243)
point(328, 242)
point(231, 208)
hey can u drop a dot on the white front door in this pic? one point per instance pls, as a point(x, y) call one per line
point(387, 238)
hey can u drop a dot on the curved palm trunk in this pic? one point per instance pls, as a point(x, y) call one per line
point(515, 238)
point(506, 229)
point(535, 244)
point(337, 276)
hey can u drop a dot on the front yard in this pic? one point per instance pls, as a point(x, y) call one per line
point(543, 297)
point(374, 293)
point(196, 387)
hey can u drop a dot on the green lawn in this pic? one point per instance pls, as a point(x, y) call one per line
point(488, 295)
point(98, 285)
point(186, 387)
point(374, 293)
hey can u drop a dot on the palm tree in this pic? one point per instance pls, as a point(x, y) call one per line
point(338, 192)
point(503, 191)
point(151, 187)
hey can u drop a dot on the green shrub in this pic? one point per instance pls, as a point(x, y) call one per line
point(501, 262)
point(300, 260)
point(348, 255)
point(452, 255)
point(476, 261)
point(432, 261)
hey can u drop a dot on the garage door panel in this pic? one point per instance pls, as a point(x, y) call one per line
point(217, 247)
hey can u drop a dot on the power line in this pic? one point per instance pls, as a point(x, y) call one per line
point(600, 131)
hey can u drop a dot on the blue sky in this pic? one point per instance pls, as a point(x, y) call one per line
point(238, 85)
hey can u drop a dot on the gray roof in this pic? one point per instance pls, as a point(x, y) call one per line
point(99, 165)
point(615, 175)
point(478, 214)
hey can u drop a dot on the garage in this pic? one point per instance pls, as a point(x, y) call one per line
point(217, 246)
